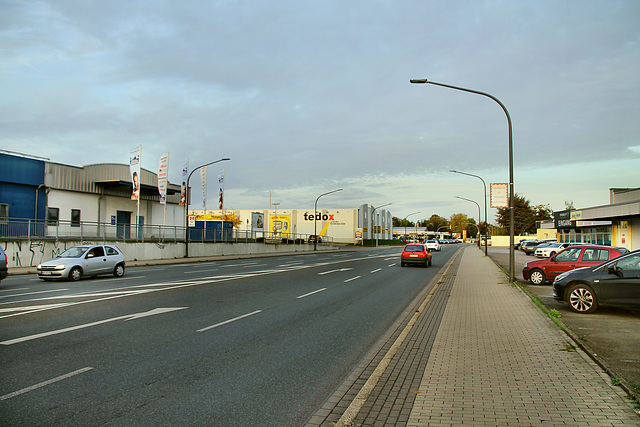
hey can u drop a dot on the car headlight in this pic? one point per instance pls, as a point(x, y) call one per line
point(39, 267)
point(61, 266)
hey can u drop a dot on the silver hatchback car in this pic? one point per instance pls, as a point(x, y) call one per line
point(83, 260)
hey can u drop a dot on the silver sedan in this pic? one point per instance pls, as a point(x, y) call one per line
point(83, 260)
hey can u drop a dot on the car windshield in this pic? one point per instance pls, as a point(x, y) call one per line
point(74, 252)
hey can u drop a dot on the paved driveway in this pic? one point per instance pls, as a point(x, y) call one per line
point(612, 334)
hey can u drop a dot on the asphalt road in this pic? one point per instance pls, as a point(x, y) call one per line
point(259, 341)
point(613, 334)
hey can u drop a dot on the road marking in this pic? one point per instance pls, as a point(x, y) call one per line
point(311, 293)
point(333, 271)
point(391, 265)
point(88, 325)
point(353, 278)
point(45, 383)
point(33, 293)
point(375, 271)
point(230, 320)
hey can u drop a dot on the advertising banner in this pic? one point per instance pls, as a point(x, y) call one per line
point(134, 168)
point(221, 182)
point(203, 178)
point(499, 195)
point(280, 225)
point(183, 186)
point(257, 221)
point(163, 170)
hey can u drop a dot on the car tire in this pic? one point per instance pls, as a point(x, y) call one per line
point(118, 271)
point(75, 274)
point(429, 263)
point(582, 299)
point(537, 277)
point(401, 264)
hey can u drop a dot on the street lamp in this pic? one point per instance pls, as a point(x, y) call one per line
point(479, 218)
point(372, 217)
point(442, 226)
point(486, 221)
point(405, 224)
point(188, 200)
point(511, 211)
point(315, 221)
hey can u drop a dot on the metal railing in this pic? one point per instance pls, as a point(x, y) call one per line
point(29, 229)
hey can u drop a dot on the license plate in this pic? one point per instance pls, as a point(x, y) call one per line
point(46, 273)
point(413, 256)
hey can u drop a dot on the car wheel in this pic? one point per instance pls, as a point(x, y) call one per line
point(537, 277)
point(582, 299)
point(119, 270)
point(401, 264)
point(429, 263)
point(75, 274)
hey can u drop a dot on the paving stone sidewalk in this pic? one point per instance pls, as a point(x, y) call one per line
point(494, 359)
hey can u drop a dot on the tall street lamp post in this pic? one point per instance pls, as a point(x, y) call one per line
point(473, 201)
point(188, 200)
point(405, 224)
point(511, 211)
point(315, 220)
point(373, 218)
point(486, 221)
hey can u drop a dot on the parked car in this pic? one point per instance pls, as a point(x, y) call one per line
point(4, 270)
point(613, 283)
point(539, 271)
point(433, 245)
point(526, 243)
point(312, 238)
point(83, 260)
point(530, 250)
point(552, 249)
point(415, 253)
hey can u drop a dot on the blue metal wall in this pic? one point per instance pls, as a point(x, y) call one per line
point(19, 180)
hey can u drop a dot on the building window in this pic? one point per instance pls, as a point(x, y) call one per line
point(4, 213)
point(53, 215)
point(75, 217)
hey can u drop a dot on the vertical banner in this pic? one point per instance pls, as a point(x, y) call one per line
point(203, 178)
point(163, 170)
point(134, 168)
point(183, 186)
point(221, 182)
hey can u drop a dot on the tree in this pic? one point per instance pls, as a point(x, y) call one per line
point(458, 222)
point(435, 222)
point(524, 216)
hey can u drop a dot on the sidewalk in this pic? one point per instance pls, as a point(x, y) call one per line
point(480, 353)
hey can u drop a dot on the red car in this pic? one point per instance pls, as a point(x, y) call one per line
point(415, 253)
point(538, 272)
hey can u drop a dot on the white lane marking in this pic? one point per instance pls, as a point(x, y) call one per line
point(376, 270)
point(230, 320)
point(387, 259)
point(32, 293)
point(333, 271)
point(311, 293)
point(353, 278)
point(186, 283)
point(391, 265)
point(32, 307)
point(45, 383)
point(88, 325)
point(13, 290)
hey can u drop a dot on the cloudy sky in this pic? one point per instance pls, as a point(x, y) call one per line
point(309, 96)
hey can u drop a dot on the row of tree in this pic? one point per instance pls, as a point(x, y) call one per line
point(525, 217)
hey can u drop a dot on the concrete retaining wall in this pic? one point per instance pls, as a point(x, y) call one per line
point(30, 254)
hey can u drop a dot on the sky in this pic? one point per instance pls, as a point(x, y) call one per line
point(306, 97)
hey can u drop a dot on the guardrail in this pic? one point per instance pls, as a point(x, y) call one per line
point(29, 229)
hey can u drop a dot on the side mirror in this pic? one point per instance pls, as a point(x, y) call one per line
point(615, 271)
